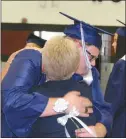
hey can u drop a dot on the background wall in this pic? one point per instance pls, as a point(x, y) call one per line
point(12, 41)
point(46, 12)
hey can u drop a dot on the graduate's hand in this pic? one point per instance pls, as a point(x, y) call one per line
point(99, 130)
point(83, 133)
point(74, 99)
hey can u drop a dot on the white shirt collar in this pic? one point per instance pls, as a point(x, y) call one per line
point(124, 57)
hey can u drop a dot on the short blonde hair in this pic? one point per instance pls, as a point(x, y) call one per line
point(60, 58)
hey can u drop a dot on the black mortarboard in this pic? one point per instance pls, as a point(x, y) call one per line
point(35, 39)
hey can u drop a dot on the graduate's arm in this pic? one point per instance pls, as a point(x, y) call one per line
point(74, 99)
point(19, 107)
point(105, 119)
point(99, 103)
point(99, 131)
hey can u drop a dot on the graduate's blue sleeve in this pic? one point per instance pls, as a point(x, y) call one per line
point(20, 107)
point(98, 101)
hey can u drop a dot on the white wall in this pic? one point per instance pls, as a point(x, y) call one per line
point(96, 13)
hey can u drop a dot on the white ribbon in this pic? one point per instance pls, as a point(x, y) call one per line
point(87, 78)
point(63, 120)
point(84, 47)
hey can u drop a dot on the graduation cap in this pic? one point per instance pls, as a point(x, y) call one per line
point(122, 30)
point(35, 39)
point(92, 35)
point(121, 22)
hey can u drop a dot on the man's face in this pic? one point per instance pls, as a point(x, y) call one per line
point(92, 52)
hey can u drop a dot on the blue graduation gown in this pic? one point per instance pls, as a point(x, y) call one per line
point(116, 95)
point(48, 126)
point(20, 109)
point(98, 100)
